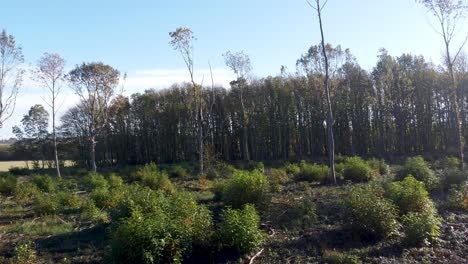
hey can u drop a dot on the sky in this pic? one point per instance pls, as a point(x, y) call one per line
point(132, 36)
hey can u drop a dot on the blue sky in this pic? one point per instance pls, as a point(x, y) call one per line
point(133, 36)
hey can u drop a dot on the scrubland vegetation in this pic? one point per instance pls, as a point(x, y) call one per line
point(279, 212)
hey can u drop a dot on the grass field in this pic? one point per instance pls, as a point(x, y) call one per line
point(6, 165)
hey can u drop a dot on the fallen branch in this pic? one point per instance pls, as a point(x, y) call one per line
point(255, 256)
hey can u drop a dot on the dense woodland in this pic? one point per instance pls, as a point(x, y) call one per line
point(401, 108)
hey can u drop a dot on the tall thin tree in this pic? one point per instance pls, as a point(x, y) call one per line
point(50, 75)
point(11, 75)
point(449, 14)
point(181, 40)
point(331, 142)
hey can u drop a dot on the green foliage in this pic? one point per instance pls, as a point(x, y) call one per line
point(115, 181)
point(292, 168)
point(91, 213)
point(451, 177)
point(95, 181)
point(24, 253)
point(458, 197)
point(357, 170)
point(336, 257)
point(178, 171)
point(46, 204)
point(239, 229)
point(368, 214)
point(245, 187)
point(8, 184)
point(139, 198)
point(163, 235)
point(451, 162)
point(220, 170)
point(17, 171)
point(277, 177)
point(378, 166)
point(419, 169)
point(45, 182)
point(150, 175)
point(420, 228)
point(107, 198)
point(24, 194)
point(312, 172)
point(409, 195)
point(69, 200)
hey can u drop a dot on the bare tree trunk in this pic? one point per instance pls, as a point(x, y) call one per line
point(331, 142)
point(200, 137)
point(93, 153)
point(57, 166)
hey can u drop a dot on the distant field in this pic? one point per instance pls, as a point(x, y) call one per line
point(5, 165)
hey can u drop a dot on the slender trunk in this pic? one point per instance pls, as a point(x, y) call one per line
point(331, 142)
point(200, 137)
point(456, 109)
point(57, 166)
point(93, 153)
point(245, 145)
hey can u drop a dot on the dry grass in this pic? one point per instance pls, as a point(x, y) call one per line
point(6, 165)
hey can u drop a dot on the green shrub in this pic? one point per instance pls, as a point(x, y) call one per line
point(91, 213)
point(95, 181)
point(8, 184)
point(277, 177)
point(292, 168)
point(180, 172)
point(451, 162)
point(46, 204)
point(458, 197)
point(419, 169)
point(107, 198)
point(239, 229)
point(115, 181)
point(368, 214)
point(24, 194)
point(220, 170)
point(245, 187)
point(336, 257)
point(409, 195)
point(17, 171)
point(420, 228)
point(150, 175)
point(357, 170)
point(165, 235)
point(69, 200)
point(312, 172)
point(24, 253)
point(217, 189)
point(378, 166)
point(45, 182)
point(451, 177)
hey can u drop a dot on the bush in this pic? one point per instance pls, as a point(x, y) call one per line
point(368, 214)
point(17, 171)
point(458, 197)
point(95, 181)
point(180, 172)
point(107, 198)
point(291, 168)
point(8, 184)
point(420, 228)
point(313, 172)
point(336, 257)
point(239, 229)
point(451, 162)
point(378, 166)
point(409, 195)
point(150, 175)
point(91, 213)
point(139, 198)
point(45, 182)
point(115, 181)
point(25, 193)
point(46, 204)
point(220, 170)
point(165, 235)
point(357, 170)
point(24, 253)
point(245, 187)
point(277, 177)
point(419, 169)
point(69, 200)
point(453, 177)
